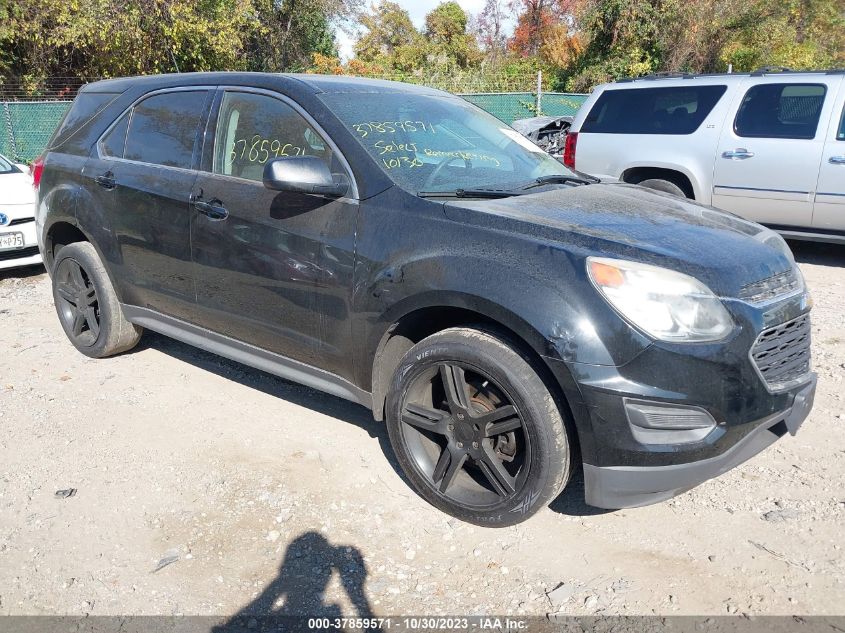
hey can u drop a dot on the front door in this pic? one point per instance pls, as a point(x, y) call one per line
point(767, 162)
point(829, 210)
point(273, 269)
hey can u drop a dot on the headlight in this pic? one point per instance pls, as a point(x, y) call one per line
point(665, 304)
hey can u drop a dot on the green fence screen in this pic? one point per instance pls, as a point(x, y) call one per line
point(510, 106)
point(26, 126)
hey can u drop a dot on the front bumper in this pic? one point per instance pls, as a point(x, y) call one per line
point(28, 255)
point(632, 486)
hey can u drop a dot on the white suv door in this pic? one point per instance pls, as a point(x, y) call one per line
point(767, 163)
point(829, 210)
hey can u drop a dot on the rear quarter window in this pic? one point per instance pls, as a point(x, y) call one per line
point(780, 111)
point(84, 108)
point(670, 110)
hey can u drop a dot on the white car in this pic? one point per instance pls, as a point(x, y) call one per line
point(18, 245)
point(768, 146)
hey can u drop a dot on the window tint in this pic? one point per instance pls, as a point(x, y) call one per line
point(840, 134)
point(113, 143)
point(83, 109)
point(254, 128)
point(780, 111)
point(673, 110)
point(163, 128)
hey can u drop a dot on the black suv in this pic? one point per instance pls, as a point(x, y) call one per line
point(510, 319)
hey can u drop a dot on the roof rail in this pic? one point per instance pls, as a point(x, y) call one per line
point(767, 70)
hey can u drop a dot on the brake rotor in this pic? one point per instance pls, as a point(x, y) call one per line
point(485, 401)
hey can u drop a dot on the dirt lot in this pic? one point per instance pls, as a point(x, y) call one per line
point(263, 494)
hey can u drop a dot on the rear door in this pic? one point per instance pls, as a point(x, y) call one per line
point(768, 159)
point(143, 174)
point(829, 209)
point(273, 269)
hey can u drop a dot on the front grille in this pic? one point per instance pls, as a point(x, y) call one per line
point(767, 289)
point(19, 253)
point(21, 221)
point(782, 353)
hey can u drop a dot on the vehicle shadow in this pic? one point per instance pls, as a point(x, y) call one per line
point(269, 384)
point(570, 502)
point(818, 253)
point(24, 272)
point(300, 588)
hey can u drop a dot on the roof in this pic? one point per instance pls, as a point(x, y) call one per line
point(317, 83)
point(760, 72)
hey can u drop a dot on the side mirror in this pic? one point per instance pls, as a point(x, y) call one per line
point(302, 174)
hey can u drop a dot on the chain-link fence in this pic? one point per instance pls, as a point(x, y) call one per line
point(27, 125)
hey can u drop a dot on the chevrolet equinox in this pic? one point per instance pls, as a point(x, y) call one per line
point(509, 319)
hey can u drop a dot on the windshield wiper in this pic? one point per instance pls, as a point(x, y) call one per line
point(519, 190)
point(557, 179)
point(471, 193)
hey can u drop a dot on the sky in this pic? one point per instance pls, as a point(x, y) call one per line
point(417, 9)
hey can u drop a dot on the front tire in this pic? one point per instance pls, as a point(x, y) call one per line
point(475, 429)
point(87, 304)
point(665, 186)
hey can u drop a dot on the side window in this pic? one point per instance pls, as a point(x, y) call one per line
point(113, 143)
point(672, 110)
point(780, 111)
point(840, 133)
point(163, 128)
point(253, 128)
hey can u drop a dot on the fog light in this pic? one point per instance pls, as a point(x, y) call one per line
point(659, 423)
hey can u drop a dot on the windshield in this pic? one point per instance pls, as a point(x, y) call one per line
point(6, 167)
point(434, 143)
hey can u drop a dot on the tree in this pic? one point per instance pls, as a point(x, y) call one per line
point(534, 20)
point(290, 33)
point(390, 36)
point(448, 43)
point(489, 29)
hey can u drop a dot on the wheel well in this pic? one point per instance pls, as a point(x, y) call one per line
point(416, 326)
point(636, 175)
point(61, 234)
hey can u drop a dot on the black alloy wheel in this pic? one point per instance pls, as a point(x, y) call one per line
point(465, 435)
point(79, 306)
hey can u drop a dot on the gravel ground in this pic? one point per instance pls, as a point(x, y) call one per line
point(205, 487)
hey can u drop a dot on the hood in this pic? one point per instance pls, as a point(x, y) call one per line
point(16, 188)
point(630, 222)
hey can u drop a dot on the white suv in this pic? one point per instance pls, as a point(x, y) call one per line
point(769, 146)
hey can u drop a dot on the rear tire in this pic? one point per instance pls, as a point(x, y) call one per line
point(665, 186)
point(475, 429)
point(87, 304)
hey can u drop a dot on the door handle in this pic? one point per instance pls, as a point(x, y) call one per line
point(106, 181)
point(836, 160)
point(740, 153)
point(213, 209)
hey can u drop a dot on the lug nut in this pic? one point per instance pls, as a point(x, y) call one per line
point(475, 444)
point(460, 444)
point(451, 427)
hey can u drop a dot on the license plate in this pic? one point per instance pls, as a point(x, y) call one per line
point(11, 240)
